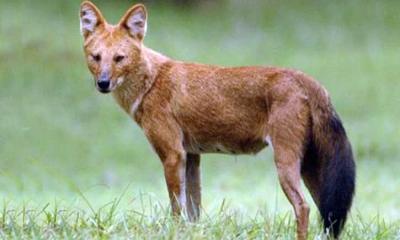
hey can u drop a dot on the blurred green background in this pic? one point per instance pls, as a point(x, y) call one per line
point(60, 138)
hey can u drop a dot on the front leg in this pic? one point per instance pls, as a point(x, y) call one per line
point(166, 138)
point(175, 176)
point(193, 188)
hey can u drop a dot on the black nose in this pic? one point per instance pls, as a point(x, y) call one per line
point(103, 84)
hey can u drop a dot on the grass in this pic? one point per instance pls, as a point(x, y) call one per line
point(67, 154)
point(110, 221)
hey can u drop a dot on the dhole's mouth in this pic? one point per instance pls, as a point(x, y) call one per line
point(104, 91)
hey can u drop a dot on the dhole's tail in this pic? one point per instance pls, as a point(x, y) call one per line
point(328, 167)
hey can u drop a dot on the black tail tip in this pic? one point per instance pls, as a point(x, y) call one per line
point(336, 201)
point(333, 224)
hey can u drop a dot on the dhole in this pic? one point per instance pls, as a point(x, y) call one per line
point(186, 109)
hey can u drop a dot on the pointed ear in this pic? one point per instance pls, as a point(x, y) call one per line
point(90, 18)
point(135, 21)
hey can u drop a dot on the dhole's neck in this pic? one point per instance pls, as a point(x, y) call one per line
point(139, 80)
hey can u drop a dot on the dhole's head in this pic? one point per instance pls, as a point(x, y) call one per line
point(112, 51)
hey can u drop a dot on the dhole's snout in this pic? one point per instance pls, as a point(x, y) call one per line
point(103, 83)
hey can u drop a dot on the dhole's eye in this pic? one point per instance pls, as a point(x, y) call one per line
point(96, 57)
point(118, 58)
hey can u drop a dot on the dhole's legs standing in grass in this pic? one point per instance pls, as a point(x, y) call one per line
point(182, 175)
point(181, 169)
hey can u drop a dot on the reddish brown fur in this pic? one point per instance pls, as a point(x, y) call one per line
point(187, 109)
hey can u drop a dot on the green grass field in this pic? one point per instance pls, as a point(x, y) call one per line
point(73, 165)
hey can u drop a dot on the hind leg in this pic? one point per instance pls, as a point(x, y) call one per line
point(288, 127)
point(288, 166)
